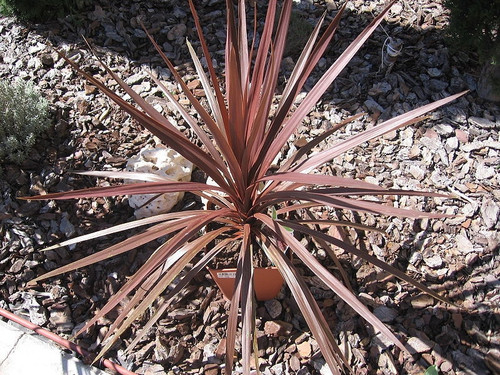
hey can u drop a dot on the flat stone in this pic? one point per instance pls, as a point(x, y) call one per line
point(385, 314)
point(418, 345)
point(464, 245)
point(484, 172)
point(483, 123)
point(434, 261)
point(273, 308)
point(422, 301)
point(276, 328)
point(444, 130)
point(304, 349)
point(489, 212)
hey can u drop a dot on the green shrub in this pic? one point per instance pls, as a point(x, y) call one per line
point(41, 10)
point(23, 118)
point(474, 26)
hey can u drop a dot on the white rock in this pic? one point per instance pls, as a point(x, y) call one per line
point(489, 212)
point(417, 172)
point(434, 261)
point(419, 345)
point(164, 162)
point(484, 172)
point(451, 144)
point(464, 245)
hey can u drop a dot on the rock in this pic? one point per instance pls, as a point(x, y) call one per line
point(273, 308)
point(38, 314)
point(304, 349)
point(380, 88)
point(433, 261)
point(177, 32)
point(418, 345)
point(385, 314)
point(47, 59)
point(483, 123)
point(462, 136)
point(276, 328)
point(451, 144)
point(278, 369)
point(422, 301)
point(437, 85)
point(444, 130)
point(211, 369)
point(434, 72)
point(165, 163)
point(489, 213)
point(464, 245)
point(61, 319)
point(66, 227)
point(155, 369)
point(484, 172)
point(417, 172)
point(373, 106)
point(294, 363)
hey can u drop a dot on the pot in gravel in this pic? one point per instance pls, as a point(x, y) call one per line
point(267, 282)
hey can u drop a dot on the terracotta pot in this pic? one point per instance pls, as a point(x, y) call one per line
point(267, 282)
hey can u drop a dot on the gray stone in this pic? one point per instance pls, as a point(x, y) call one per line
point(373, 106)
point(463, 244)
point(444, 130)
point(273, 308)
point(483, 123)
point(176, 32)
point(484, 172)
point(451, 144)
point(385, 314)
point(434, 261)
point(437, 85)
point(419, 345)
point(489, 213)
point(66, 227)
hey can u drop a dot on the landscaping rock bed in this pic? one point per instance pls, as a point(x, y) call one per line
point(455, 151)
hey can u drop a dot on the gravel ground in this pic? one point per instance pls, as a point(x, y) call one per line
point(454, 151)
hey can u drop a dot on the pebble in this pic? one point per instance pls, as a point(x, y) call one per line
point(304, 349)
point(484, 172)
point(273, 307)
point(434, 261)
point(444, 130)
point(176, 32)
point(418, 345)
point(385, 314)
point(422, 301)
point(464, 245)
point(276, 328)
point(483, 123)
point(66, 227)
point(490, 211)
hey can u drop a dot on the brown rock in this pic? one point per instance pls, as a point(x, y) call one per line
point(304, 349)
point(422, 301)
point(276, 328)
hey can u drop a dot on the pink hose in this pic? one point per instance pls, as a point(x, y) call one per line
point(63, 342)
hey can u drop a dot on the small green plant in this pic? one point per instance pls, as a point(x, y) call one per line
point(24, 116)
point(41, 10)
point(432, 370)
point(474, 26)
point(254, 207)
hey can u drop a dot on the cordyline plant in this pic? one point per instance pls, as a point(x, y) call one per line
point(241, 134)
